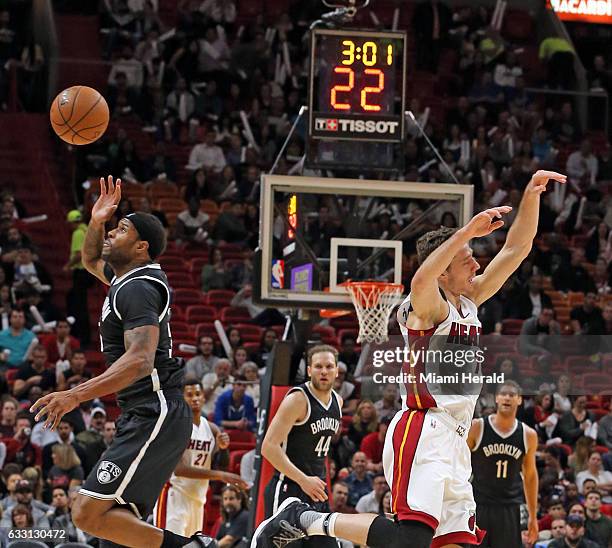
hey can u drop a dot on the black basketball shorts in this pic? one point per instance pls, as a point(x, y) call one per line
point(151, 435)
point(502, 522)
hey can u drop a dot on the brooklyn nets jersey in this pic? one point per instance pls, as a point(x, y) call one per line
point(497, 461)
point(138, 298)
point(308, 442)
point(201, 447)
point(443, 367)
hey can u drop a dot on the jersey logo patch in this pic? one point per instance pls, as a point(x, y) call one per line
point(108, 472)
point(106, 308)
point(472, 521)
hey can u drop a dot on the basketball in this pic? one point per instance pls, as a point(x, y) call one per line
point(79, 115)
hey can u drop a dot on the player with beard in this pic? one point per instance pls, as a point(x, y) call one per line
point(504, 467)
point(180, 506)
point(155, 422)
point(299, 437)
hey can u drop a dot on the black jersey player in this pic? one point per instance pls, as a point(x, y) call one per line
point(155, 423)
point(504, 467)
point(299, 437)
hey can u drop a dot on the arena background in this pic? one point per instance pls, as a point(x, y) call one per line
point(203, 96)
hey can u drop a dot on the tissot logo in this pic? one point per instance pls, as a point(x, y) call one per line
point(380, 127)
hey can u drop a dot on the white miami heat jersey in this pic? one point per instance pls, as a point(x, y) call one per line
point(201, 446)
point(442, 379)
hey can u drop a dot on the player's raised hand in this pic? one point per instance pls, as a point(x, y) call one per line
point(53, 407)
point(314, 487)
point(485, 222)
point(107, 203)
point(540, 179)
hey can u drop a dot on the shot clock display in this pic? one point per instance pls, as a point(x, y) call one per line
point(357, 81)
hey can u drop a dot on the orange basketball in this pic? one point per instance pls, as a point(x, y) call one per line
point(79, 115)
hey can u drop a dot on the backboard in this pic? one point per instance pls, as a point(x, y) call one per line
point(316, 233)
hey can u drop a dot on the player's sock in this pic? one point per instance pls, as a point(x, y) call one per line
point(318, 523)
point(172, 540)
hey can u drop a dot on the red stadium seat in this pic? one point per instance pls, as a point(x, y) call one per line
point(219, 297)
point(180, 280)
point(511, 326)
point(172, 263)
point(234, 314)
point(205, 329)
point(199, 313)
point(184, 296)
point(234, 460)
point(250, 333)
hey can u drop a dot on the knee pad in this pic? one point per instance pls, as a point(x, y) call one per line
point(384, 533)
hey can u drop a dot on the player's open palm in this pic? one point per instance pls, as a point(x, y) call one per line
point(487, 221)
point(107, 203)
point(314, 487)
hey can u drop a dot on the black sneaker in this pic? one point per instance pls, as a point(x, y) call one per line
point(200, 540)
point(283, 527)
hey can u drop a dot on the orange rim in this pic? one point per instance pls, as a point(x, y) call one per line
point(371, 291)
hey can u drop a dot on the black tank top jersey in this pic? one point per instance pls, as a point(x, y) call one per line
point(309, 442)
point(496, 466)
point(136, 293)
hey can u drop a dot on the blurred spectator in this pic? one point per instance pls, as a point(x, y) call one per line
point(250, 371)
point(25, 498)
point(554, 511)
point(144, 205)
point(12, 476)
point(372, 446)
point(76, 373)
point(65, 431)
point(191, 224)
point(587, 319)
point(235, 516)
point(239, 358)
point(365, 421)
point(243, 273)
point(576, 277)
point(563, 402)
point(8, 417)
point(575, 423)
point(204, 361)
point(506, 72)
point(12, 241)
point(61, 518)
point(159, 165)
point(92, 439)
point(339, 499)
point(389, 405)
point(181, 101)
point(359, 481)
point(595, 471)
point(370, 503)
point(198, 186)
point(121, 97)
point(601, 277)
point(47, 310)
point(431, 22)
point(35, 372)
point(540, 335)
point(558, 54)
point(605, 428)
point(215, 383)
point(346, 390)
point(130, 66)
point(30, 273)
point(31, 76)
point(348, 353)
point(234, 408)
point(582, 165)
point(565, 126)
point(207, 154)
point(214, 275)
point(219, 11)
point(600, 77)
point(214, 51)
point(247, 467)
point(532, 299)
point(230, 227)
point(574, 535)
point(61, 344)
point(128, 165)
point(598, 527)
point(66, 471)
point(582, 449)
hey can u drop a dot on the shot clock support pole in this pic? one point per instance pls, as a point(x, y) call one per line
point(303, 109)
point(410, 114)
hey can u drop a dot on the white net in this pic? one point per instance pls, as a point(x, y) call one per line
point(373, 303)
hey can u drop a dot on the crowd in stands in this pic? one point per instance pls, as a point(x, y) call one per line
point(180, 91)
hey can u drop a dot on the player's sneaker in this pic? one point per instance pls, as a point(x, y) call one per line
point(200, 540)
point(283, 527)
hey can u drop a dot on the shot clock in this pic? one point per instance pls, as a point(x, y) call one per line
point(357, 82)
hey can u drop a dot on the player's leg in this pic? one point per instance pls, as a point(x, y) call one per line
point(173, 512)
point(502, 524)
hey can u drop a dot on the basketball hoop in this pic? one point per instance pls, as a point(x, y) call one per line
point(373, 303)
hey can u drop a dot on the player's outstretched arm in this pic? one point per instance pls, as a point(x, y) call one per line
point(519, 240)
point(530, 483)
point(103, 210)
point(185, 469)
point(292, 410)
point(425, 298)
point(137, 362)
point(475, 433)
